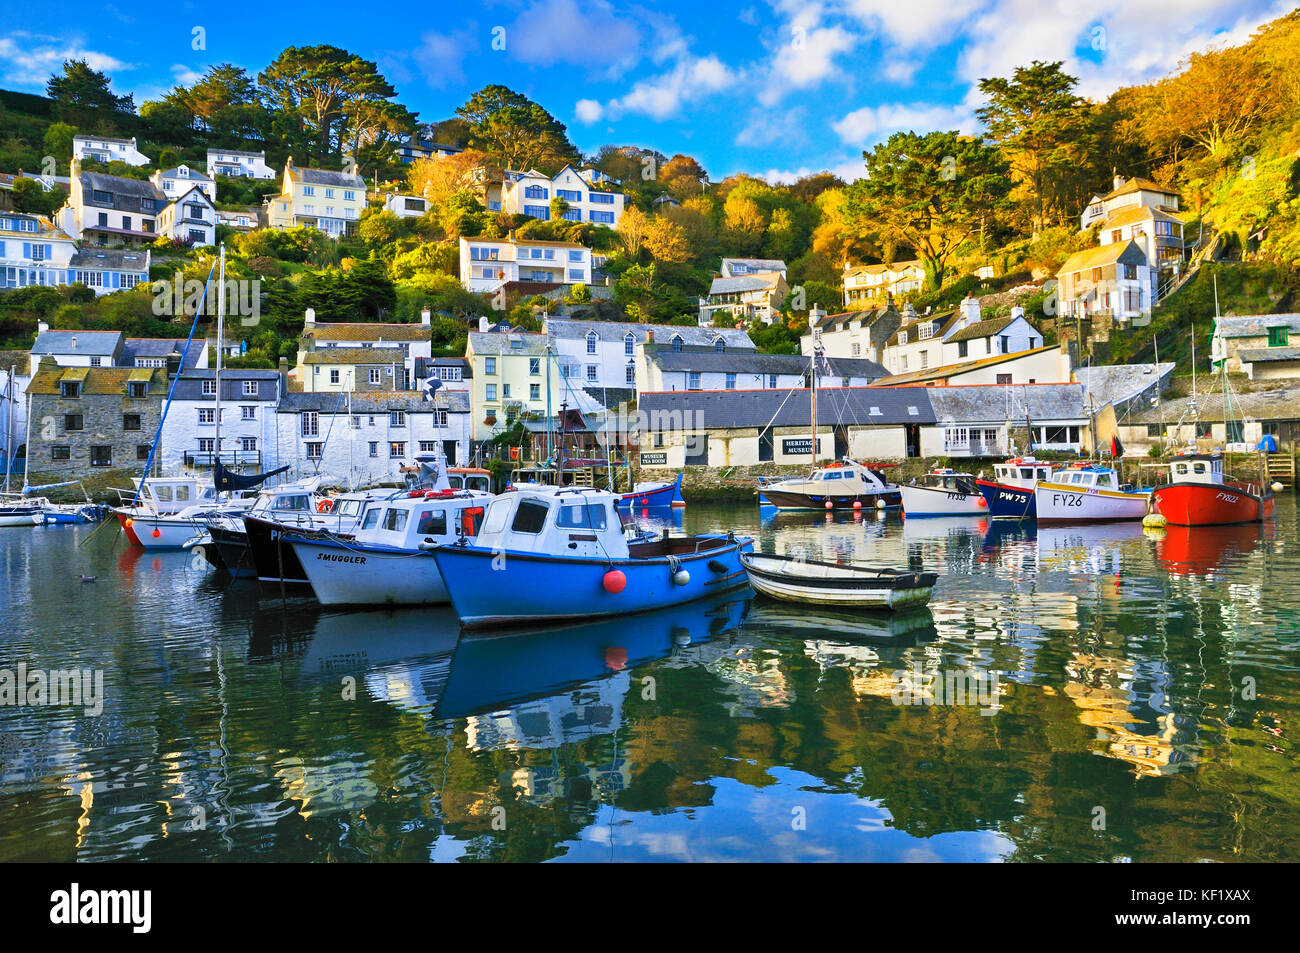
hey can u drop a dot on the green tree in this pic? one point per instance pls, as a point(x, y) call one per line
point(58, 142)
point(82, 97)
point(1037, 120)
point(516, 131)
point(929, 192)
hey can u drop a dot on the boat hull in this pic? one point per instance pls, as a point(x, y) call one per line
point(232, 555)
point(795, 500)
point(1213, 504)
point(352, 574)
point(35, 518)
point(907, 590)
point(1006, 502)
point(666, 494)
point(492, 588)
point(158, 532)
point(919, 501)
point(274, 562)
point(1056, 503)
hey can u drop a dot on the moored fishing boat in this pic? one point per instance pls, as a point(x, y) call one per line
point(1199, 493)
point(547, 556)
point(19, 512)
point(843, 485)
point(1088, 493)
point(837, 584)
point(943, 492)
point(1010, 494)
point(167, 512)
point(389, 560)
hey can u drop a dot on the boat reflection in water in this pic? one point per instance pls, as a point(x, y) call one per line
point(1085, 548)
point(1203, 550)
point(905, 628)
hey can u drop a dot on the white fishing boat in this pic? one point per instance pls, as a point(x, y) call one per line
point(166, 512)
point(837, 584)
point(1088, 494)
point(943, 492)
point(388, 560)
point(20, 512)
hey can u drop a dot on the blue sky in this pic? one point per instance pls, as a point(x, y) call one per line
point(776, 88)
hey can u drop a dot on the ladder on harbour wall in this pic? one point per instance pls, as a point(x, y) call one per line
point(1280, 468)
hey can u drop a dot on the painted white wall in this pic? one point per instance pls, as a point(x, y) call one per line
point(346, 459)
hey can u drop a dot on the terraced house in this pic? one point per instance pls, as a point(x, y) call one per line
point(111, 210)
point(317, 198)
point(510, 374)
point(347, 353)
point(89, 418)
point(33, 251)
point(1261, 346)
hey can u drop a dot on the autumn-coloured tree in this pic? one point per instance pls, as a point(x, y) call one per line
point(666, 240)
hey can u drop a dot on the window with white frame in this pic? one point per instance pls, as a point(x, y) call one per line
point(591, 342)
point(310, 423)
point(376, 376)
point(209, 388)
point(247, 413)
point(250, 388)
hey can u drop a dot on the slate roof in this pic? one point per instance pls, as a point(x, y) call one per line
point(93, 343)
point(327, 177)
point(234, 152)
point(997, 404)
point(707, 360)
point(98, 381)
point(766, 281)
point(982, 329)
point(120, 259)
point(377, 331)
point(120, 188)
point(611, 398)
point(194, 174)
point(189, 384)
point(1253, 325)
point(1138, 213)
point(1140, 185)
point(952, 370)
point(1262, 355)
point(375, 402)
point(1119, 383)
point(845, 319)
point(691, 335)
point(490, 342)
point(744, 409)
point(944, 321)
point(761, 264)
point(161, 347)
point(1102, 256)
point(355, 355)
point(1281, 404)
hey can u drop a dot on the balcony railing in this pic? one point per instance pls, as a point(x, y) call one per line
point(201, 460)
point(973, 448)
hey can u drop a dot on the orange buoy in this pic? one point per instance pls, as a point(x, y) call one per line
point(128, 522)
point(830, 505)
point(981, 502)
point(157, 533)
point(614, 581)
point(857, 504)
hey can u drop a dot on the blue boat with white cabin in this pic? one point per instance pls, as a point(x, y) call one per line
point(549, 554)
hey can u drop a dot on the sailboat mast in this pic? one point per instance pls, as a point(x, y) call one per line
point(812, 391)
point(9, 429)
point(221, 314)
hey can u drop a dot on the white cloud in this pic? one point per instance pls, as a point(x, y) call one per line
point(662, 96)
point(185, 75)
point(588, 111)
point(850, 170)
point(805, 60)
point(768, 128)
point(441, 56)
point(30, 59)
point(916, 24)
point(872, 124)
point(584, 33)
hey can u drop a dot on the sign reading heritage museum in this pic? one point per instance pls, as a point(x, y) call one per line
point(797, 445)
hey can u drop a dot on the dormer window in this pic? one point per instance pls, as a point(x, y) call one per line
point(677, 343)
point(591, 342)
point(69, 389)
point(137, 389)
point(719, 345)
point(629, 344)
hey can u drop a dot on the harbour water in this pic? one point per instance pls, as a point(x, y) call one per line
point(1086, 693)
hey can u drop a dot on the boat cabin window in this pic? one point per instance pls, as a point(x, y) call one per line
point(432, 523)
point(480, 483)
point(471, 520)
point(456, 482)
point(348, 507)
point(372, 519)
point(498, 513)
point(1028, 473)
point(832, 476)
point(581, 516)
point(1199, 467)
point(295, 503)
point(163, 493)
point(530, 517)
point(395, 520)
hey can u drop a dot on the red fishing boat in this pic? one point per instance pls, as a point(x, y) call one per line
point(1199, 493)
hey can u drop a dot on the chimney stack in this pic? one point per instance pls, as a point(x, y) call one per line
point(284, 375)
point(1118, 180)
point(649, 336)
point(970, 311)
point(909, 313)
point(1017, 311)
point(815, 316)
point(41, 327)
point(483, 324)
point(173, 363)
point(310, 320)
point(425, 318)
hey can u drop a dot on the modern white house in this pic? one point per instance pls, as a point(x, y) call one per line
point(406, 206)
point(174, 183)
point(236, 164)
point(415, 147)
point(360, 439)
point(605, 353)
point(663, 368)
point(489, 264)
point(248, 429)
point(190, 217)
point(585, 193)
point(111, 210)
point(1113, 280)
point(33, 251)
point(106, 150)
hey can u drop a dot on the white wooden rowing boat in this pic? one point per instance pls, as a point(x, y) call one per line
point(837, 584)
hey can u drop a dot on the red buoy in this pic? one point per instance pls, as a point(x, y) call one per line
point(981, 502)
point(830, 505)
point(157, 533)
point(614, 581)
